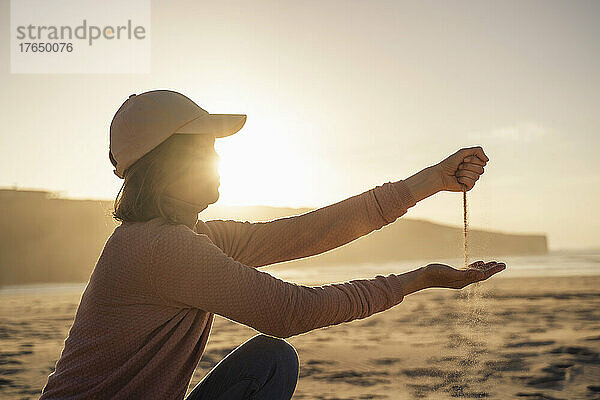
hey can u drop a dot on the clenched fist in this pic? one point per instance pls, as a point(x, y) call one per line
point(461, 169)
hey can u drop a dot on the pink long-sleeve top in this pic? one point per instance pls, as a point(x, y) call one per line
point(146, 313)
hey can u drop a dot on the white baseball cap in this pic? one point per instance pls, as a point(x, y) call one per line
point(146, 120)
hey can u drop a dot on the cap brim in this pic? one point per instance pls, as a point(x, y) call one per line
point(217, 125)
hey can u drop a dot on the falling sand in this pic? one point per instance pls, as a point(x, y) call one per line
point(471, 324)
point(465, 226)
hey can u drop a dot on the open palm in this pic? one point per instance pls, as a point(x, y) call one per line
point(445, 276)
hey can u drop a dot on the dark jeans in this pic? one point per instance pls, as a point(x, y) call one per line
point(263, 367)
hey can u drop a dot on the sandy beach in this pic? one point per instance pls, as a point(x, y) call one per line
point(506, 338)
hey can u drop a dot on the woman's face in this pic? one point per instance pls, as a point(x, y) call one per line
point(199, 183)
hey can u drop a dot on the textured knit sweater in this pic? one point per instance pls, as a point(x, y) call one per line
point(145, 315)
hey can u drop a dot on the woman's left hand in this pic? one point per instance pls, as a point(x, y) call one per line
point(445, 276)
point(462, 168)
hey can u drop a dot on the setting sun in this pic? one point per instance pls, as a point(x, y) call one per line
point(259, 167)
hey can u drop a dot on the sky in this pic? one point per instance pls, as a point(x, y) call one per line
point(342, 96)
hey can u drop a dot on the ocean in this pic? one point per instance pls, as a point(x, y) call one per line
point(555, 263)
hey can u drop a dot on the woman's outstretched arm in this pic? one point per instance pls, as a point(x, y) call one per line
point(262, 243)
point(188, 270)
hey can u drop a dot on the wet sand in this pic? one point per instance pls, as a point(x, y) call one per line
point(507, 338)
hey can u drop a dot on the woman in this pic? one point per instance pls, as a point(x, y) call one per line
point(145, 316)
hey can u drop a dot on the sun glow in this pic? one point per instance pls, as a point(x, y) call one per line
point(262, 166)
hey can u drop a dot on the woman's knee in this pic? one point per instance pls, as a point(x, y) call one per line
point(278, 348)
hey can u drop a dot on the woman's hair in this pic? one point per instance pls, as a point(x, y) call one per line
point(140, 197)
